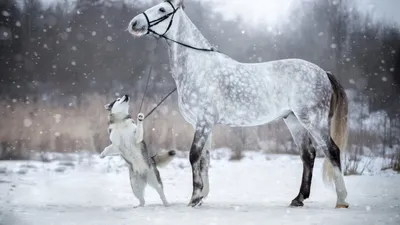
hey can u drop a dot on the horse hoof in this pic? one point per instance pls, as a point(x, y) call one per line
point(196, 202)
point(342, 206)
point(296, 203)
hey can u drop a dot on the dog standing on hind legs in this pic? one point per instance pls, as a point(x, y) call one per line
point(127, 141)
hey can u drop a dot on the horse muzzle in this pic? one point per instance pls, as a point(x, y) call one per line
point(138, 26)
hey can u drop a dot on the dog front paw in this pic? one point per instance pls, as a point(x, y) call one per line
point(140, 117)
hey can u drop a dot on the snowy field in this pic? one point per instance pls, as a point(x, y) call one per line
point(257, 190)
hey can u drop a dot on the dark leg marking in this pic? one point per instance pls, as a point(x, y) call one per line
point(333, 154)
point(199, 140)
point(308, 158)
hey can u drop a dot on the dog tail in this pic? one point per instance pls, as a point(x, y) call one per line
point(163, 158)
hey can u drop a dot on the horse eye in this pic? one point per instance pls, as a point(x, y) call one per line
point(162, 10)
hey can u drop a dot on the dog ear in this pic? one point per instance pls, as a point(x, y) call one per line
point(109, 106)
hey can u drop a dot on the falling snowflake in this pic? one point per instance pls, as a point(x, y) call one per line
point(117, 94)
point(109, 38)
point(69, 29)
point(73, 63)
point(18, 24)
point(14, 100)
point(384, 79)
point(54, 66)
point(93, 33)
point(333, 45)
point(243, 32)
point(27, 122)
point(18, 86)
point(74, 48)
point(5, 13)
point(321, 34)
point(57, 134)
point(383, 61)
point(57, 117)
point(5, 34)
point(392, 69)
point(351, 81)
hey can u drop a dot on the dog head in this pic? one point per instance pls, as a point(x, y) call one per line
point(119, 106)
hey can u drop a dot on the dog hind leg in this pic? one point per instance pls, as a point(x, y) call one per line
point(154, 180)
point(138, 183)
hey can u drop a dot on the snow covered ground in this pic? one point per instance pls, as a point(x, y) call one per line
point(257, 190)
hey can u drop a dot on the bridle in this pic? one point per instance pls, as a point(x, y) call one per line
point(161, 19)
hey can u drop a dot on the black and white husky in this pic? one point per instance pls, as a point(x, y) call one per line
point(127, 141)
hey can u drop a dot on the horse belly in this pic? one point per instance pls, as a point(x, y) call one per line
point(255, 111)
point(251, 119)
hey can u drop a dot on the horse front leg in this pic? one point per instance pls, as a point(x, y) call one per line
point(199, 167)
point(204, 165)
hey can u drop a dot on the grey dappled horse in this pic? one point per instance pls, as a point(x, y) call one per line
point(216, 89)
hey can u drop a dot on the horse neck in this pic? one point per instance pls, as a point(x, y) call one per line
point(184, 31)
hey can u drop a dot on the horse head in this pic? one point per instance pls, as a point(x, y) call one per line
point(156, 20)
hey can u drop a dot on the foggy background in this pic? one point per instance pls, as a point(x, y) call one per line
point(61, 61)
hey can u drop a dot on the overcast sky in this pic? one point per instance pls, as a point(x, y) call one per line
point(274, 11)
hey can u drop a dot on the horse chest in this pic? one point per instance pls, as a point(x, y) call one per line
point(193, 102)
point(186, 109)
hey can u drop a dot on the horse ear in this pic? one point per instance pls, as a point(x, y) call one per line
point(177, 3)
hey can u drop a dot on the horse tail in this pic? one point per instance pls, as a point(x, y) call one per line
point(338, 115)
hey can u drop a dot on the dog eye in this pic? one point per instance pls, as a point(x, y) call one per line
point(118, 99)
point(162, 10)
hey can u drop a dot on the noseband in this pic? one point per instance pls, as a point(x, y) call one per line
point(161, 19)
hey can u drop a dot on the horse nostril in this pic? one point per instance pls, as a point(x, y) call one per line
point(134, 24)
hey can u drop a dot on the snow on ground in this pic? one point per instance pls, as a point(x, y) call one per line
point(256, 190)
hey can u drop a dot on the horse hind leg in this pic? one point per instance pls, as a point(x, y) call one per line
point(319, 129)
point(307, 152)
